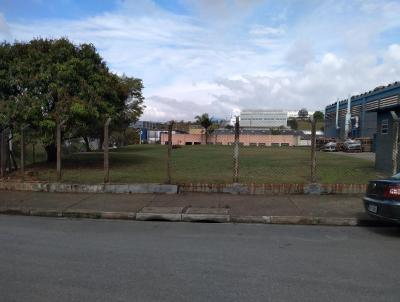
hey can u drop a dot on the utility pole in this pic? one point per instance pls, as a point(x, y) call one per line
point(347, 119)
point(337, 118)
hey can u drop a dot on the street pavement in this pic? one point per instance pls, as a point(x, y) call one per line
point(58, 259)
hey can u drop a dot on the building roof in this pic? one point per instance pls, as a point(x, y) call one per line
point(374, 94)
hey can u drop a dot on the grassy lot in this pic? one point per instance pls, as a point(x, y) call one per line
point(210, 164)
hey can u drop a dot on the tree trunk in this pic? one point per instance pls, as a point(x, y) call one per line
point(51, 151)
point(87, 145)
point(101, 141)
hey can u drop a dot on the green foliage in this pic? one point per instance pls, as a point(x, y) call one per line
point(292, 123)
point(303, 113)
point(44, 82)
point(204, 120)
point(318, 116)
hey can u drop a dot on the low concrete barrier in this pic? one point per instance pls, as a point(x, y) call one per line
point(148, 188)
point(154, 188)
point(274, 189)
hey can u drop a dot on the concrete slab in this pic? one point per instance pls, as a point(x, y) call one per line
point(187, 200)
point(329, 205)
point(12, 199)
point(160, 213)
point(114, 202)
point(258, 205)
point(206, 214)
point(45, 201)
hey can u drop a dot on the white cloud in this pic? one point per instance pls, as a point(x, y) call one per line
point(4, 28)
point(193, 64)
point(394, 52)
point(260, 30)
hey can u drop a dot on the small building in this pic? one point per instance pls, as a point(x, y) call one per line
point(258, 119)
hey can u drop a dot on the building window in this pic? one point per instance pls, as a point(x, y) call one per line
point(384, 126)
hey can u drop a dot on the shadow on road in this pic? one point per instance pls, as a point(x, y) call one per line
point(391, 230)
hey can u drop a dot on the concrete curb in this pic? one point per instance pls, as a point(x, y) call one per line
point(222, 218)
point(206, 215)
point(160, 213)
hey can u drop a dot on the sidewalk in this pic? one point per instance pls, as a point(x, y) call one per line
point(284, 209)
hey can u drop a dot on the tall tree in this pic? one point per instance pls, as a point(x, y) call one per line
point(292, 123)
point(318, 115)
point(54, 80)
point(303, 113)
point(205, 121)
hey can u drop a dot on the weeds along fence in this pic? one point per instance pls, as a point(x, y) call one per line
point(224, 156)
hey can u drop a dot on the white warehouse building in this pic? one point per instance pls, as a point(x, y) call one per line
point(263, 118)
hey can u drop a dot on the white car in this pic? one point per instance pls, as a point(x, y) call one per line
point(329, 147)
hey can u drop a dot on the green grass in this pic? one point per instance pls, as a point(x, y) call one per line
point(210, 164)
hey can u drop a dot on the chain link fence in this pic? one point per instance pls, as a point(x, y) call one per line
point(222, 156)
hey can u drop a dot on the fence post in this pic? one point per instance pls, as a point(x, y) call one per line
point(313, 146)
point(236, 153)
point(106, 153)
point(3, 153)
point(33, 153)
point(395, 142)
point(169, 152)
point(22, 152)
point(59, 125)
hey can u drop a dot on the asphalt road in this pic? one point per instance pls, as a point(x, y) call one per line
point(50, 259)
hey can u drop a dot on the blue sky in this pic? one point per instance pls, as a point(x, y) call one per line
point(221, 56)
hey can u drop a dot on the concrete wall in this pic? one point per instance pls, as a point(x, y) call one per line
point(227, 139)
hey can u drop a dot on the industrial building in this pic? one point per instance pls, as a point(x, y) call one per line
point(259, 119)
point(358, 118)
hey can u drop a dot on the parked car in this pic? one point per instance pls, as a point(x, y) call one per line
point(352, 146)
point(329, 147)
point(382, 199)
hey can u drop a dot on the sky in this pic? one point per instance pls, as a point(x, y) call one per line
point(221, 56)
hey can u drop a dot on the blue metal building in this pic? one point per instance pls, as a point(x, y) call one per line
point(363, 110)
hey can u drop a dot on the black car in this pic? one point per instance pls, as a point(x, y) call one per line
point(383, 198)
